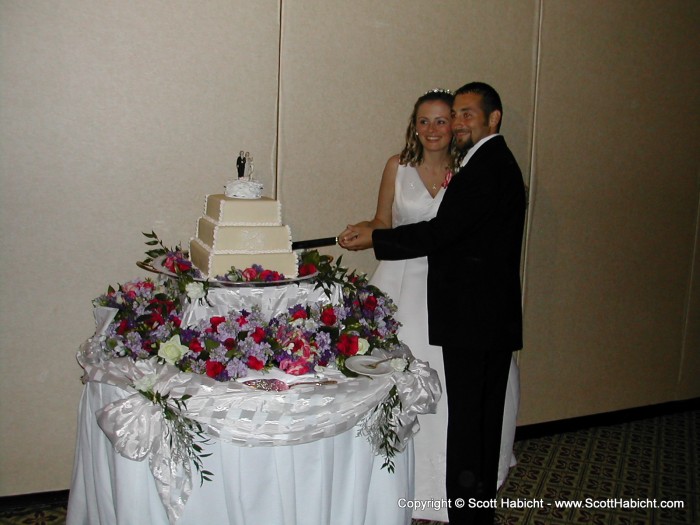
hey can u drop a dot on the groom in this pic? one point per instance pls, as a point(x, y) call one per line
point(474, 307)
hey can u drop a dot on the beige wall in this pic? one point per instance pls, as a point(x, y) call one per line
point(117, 118)
point(613, 217)
point(350, 76)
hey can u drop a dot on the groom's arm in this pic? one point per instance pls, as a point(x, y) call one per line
point(465, 200)
point(401, 242)
point(489, 188)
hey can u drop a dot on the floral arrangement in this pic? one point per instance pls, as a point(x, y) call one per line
point(299, 341)
point(148, 323)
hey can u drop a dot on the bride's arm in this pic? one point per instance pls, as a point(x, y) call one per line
point(385, 200)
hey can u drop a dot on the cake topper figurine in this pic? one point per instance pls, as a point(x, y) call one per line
point(240, 165)
point(248, 172)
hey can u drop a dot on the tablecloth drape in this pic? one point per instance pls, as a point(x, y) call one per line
point(331, 481)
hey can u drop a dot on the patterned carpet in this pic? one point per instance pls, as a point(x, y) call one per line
point(615, 472)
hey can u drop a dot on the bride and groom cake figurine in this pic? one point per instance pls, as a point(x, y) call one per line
point(245, 186)
point(244, 165)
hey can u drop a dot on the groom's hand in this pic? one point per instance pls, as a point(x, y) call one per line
point(356, 237)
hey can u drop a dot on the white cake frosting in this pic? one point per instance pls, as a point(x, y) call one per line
point(241, 232)
point(228, 211)
point(244, 188)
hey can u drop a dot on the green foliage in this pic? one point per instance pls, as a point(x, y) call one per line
point(184, 434)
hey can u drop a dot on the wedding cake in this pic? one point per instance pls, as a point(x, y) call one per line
point(241, 228)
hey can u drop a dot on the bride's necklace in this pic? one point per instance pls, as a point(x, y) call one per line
point(426, 175)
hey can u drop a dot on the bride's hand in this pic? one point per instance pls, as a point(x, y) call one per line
point(346, 236)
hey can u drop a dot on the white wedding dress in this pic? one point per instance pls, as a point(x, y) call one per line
point(406, 283)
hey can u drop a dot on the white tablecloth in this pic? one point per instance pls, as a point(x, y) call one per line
point(277, 458)
point(333, 481)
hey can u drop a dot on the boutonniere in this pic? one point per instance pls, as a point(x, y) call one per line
point(448, 178)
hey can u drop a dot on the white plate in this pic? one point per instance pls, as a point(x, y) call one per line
point(360, 364)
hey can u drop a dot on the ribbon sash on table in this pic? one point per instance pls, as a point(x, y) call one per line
point(236, 413)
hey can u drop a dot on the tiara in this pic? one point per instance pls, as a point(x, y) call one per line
point(439, 91)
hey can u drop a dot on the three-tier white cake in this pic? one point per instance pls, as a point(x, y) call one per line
point(242, 231)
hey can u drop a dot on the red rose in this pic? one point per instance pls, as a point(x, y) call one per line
point(347, 344)
point(258, 335)
point(300, 314)
point(328, 316)
point(183, 265)
point(196, 346)
point(215, 322)
point(249, 274)
point(255, 363)
point(307, 269)
point(123, 326)
point(156, 319)
point(214, 368)
point(242, 320)
point(230, 343)
point(371, 303)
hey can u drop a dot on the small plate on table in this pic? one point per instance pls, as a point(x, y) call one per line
point(368, 365)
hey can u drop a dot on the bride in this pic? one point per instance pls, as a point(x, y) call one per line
point(411, 189)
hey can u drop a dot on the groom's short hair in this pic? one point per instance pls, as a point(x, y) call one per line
point(490, 100)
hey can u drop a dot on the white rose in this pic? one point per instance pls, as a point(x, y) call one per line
point(362, 346)
point(172, 350)
point(398, 364)
point(145, 383)
point(195, 291)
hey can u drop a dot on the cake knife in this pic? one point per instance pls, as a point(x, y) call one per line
point(314, 243)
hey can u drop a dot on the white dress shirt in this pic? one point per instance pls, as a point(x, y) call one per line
point(475, 147)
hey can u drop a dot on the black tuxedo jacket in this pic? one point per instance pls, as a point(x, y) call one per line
point(473, 246)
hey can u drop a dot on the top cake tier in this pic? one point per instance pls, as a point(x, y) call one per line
point(245, 188)
point(229, 211)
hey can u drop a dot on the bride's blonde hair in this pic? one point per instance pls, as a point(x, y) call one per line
point(412, 153)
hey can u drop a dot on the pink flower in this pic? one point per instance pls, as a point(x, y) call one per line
point(177, 264)
point(300, 346)
point(295, 368)
point(448, 178)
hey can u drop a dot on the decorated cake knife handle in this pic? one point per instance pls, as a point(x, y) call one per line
point(314, 243)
